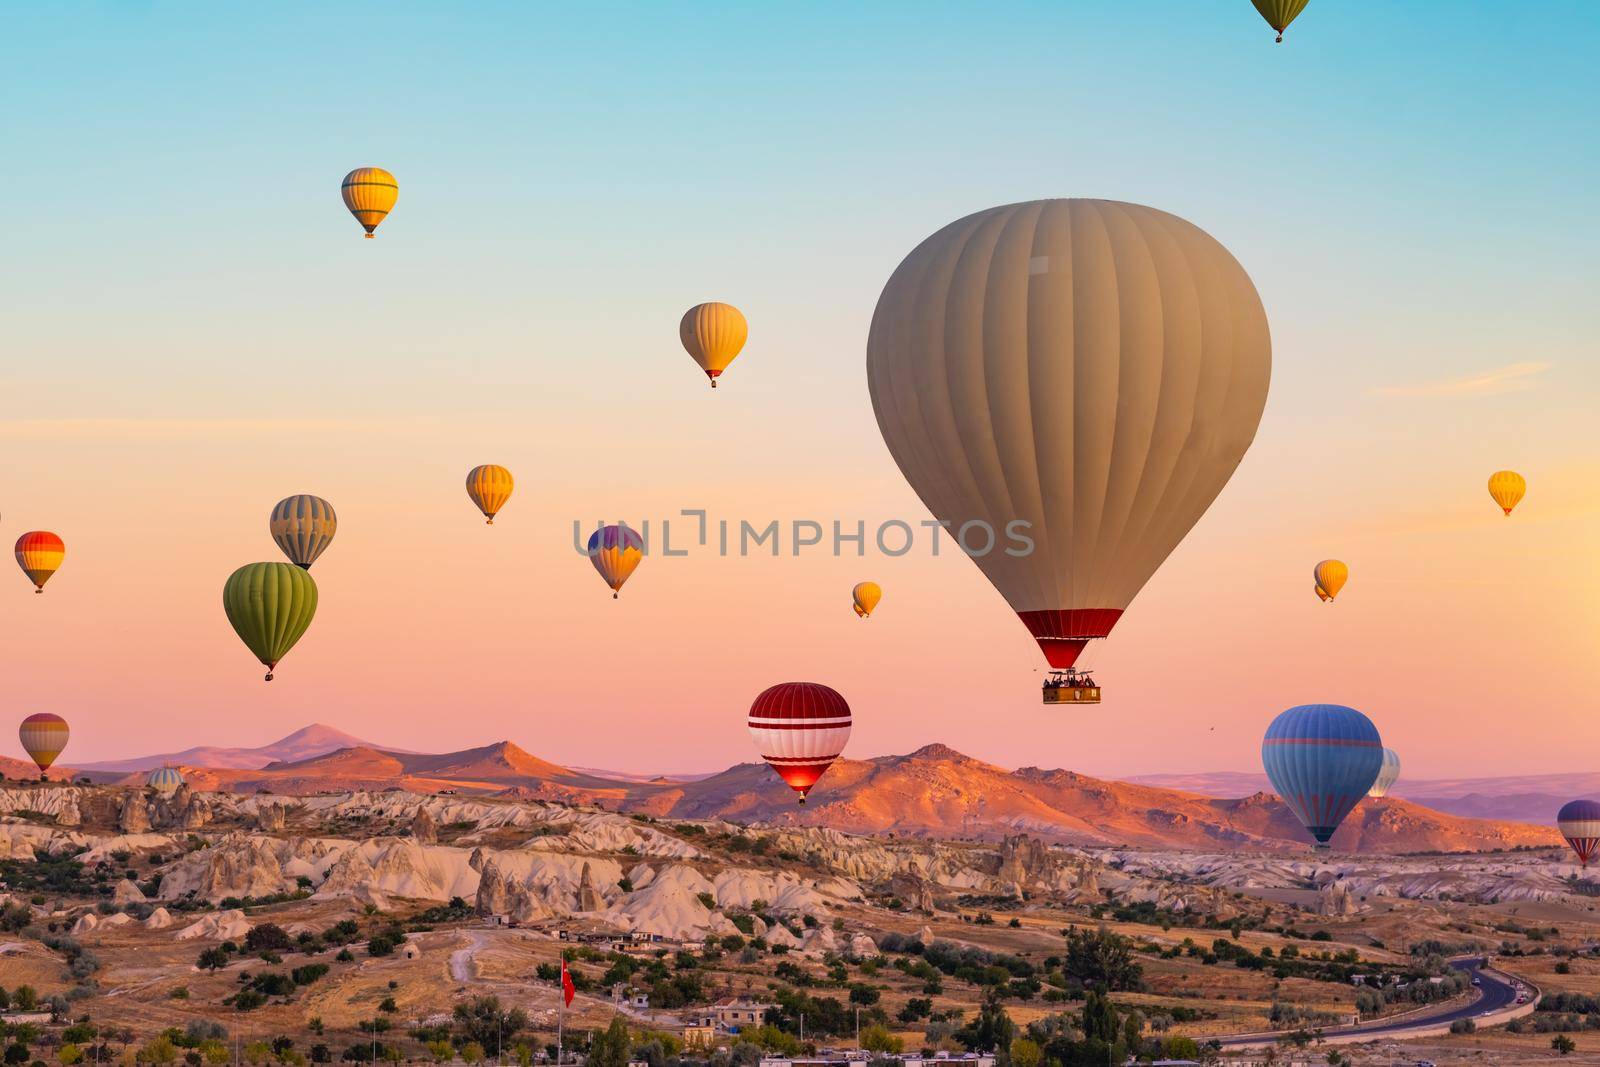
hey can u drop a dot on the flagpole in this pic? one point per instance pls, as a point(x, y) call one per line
point(561, 1008)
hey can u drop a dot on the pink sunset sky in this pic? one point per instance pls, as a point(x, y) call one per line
point(215, 336)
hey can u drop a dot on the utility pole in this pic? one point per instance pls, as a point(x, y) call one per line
point(858, 1028)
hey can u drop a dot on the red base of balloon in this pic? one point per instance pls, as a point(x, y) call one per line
point(1062, 634)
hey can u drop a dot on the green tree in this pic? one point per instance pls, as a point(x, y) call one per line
point(69, 1054)
point(1025, 1053)
point(1563, 1044)
point(1100, 1021)
point(160, 1051)
point(610, 1047)
point(484, 1021)
point(1102, 957)
point(991, 1030)
point(473, 1053)
point(211, 959)
point(877, 1038)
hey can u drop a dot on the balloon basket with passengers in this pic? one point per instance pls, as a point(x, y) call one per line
point(1070, 686)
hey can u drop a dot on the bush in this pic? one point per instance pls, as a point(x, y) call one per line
point(1463, 1026)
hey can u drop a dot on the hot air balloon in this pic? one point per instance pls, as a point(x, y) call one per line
point(865, 597)
point(1068, 384)
point(615, 551)
point(713, 334)
point(1322, 759)
point(800, 728)
point(1330, 575)
point(1279, 13)
point(164, 780)
point(489, 486)
point(43, 737)
point(303, 525)
point(1388, 774)
point(369, 193)
point(1507, 488)
point(39, 554)
point(270, 605)
point(1579, 823)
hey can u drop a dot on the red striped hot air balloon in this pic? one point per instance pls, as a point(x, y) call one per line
point(800, 728)
point(39, 554)
point(43, 737)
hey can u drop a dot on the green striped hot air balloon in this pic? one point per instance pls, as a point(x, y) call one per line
point(270, 605)
point(1279, 13)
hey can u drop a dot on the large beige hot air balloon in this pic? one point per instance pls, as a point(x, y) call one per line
point(370, 194)
point(713, 334)
point(1069, 384)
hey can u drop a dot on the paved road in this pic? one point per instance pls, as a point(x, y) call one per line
point(1493, 995)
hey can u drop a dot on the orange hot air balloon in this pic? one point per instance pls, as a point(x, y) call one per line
point(713, 334)
point(489, 485)
point(369, 193)
point(1331, 574)
point(865, 597)
point(43, 737)
point(1507, 488)
point(39, 554)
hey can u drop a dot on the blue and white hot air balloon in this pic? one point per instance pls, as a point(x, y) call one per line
point(1579, 823)
point(1322, 759)
point(164, 780)
point(1388, 775)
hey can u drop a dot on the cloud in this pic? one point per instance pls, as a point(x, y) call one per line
point(1512, 378)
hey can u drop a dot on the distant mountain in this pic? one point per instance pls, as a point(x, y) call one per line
point(15, 769)
point(932, 792)
point(309, 741)
point(1531, 798)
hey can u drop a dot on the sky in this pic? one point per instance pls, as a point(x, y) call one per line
point(193, 328)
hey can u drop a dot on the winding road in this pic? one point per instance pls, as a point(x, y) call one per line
point(1494, 994)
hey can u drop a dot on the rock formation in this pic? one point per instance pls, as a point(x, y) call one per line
point(135, 817)
point(423, 829)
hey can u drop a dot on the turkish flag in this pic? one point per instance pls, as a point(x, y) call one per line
point(568, 990)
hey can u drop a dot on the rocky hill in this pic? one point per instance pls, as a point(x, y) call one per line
point(932, 792)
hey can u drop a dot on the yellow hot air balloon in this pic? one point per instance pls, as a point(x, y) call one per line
point(369, 193)
point(43, 736)
point(1331, 575)
point(866, 596)
point(713, 334)
point(1507, 487)
point(1279, 13)
point(489, 486)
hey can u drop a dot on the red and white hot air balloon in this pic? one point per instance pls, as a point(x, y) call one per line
point(800, 728)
